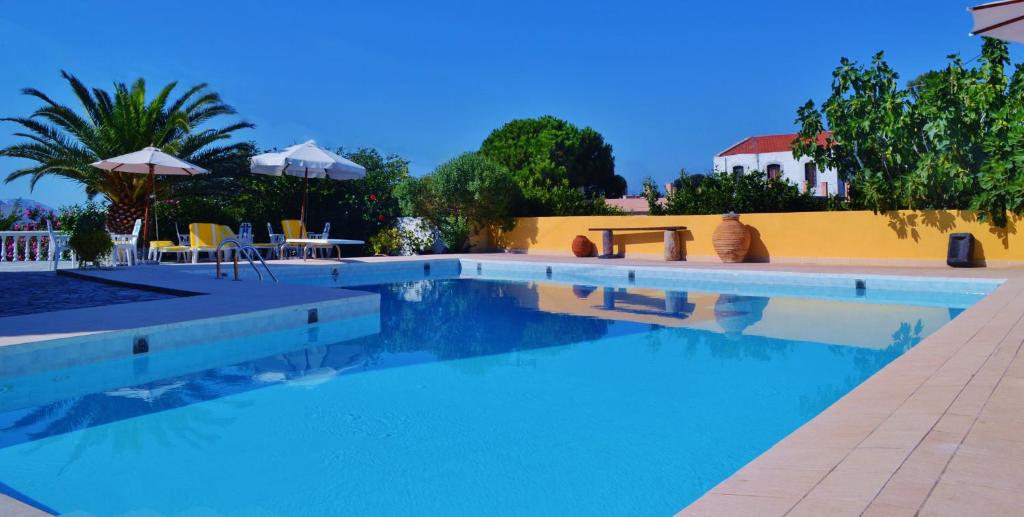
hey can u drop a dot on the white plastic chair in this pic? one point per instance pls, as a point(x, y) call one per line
point(127, 244)
point(321, 250)
point(58, 242)
point(277, 240)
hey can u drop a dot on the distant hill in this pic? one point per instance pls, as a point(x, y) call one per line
point(6, 205)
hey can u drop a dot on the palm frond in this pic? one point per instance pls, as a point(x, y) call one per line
point(63, 141)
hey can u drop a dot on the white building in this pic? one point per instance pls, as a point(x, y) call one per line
point(773, 155)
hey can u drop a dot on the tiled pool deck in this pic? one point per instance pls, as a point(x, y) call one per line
point(939, 431)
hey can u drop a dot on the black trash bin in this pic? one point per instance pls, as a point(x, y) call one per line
point(960, 247)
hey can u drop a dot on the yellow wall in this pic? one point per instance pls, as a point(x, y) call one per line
point(841, 237)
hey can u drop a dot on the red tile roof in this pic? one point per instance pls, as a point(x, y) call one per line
point(769, 144)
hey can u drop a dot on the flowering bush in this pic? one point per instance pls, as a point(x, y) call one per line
point(27, 220)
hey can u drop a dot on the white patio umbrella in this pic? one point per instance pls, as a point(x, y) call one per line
point(1002, 20)
point(153, 162)
point(307, 160)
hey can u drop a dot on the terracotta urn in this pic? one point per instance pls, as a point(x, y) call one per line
point(582, 247)
point(731, 239)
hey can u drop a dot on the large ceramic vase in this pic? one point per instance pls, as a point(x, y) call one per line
point(731, 239)
point(582, 247)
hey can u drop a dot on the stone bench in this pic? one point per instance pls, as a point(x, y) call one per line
point(673, 247)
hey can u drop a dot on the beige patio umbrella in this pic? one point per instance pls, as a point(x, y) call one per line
point(1001, 20)
point(306, 160)
point(153, 162)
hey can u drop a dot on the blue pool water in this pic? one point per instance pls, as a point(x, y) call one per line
point(467, 397)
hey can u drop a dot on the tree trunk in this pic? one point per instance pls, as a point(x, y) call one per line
point(121, 217)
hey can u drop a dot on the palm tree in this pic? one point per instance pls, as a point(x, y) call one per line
point(63, 142)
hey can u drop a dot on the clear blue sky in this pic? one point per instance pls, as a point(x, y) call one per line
point(668, 83)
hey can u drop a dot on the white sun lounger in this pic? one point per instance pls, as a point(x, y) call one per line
point(323, 243)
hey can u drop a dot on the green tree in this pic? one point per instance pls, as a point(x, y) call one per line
point(946, 140)
point(722, 192)
point(551, 157)
point(652, 195)
point(468, 193)
point(61, 141)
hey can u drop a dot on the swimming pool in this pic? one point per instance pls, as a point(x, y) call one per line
point(487, 395)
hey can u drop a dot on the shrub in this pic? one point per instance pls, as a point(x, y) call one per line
point(385, 242)
point(455, 232)
point(754, 192)
point(87, 226)
point(469, 193)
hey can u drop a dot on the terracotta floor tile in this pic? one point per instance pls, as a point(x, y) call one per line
point(774, 482)
point(894, 438)
point(868, 459)
point(959, 500)
point(796, 456)
point(850, 485)
point(955, 424)
point(990, 470)
point(970, 401)
point(999, 430)
point(879, 509)
point(816, 507)
point(719, 505)
point(906, 491)
point(931, 399)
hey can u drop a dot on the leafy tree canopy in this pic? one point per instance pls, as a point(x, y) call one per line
point(470, 191)
point(950, 139)
point(549, 156)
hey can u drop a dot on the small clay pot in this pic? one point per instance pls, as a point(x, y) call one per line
point(731, 239)
point(582, 247)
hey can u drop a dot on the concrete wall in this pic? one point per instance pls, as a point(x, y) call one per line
point(792, 169)
point(822, 237)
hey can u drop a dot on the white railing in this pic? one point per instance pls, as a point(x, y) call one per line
point(25, 246)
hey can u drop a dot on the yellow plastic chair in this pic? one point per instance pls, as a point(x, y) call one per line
point(204, 238)
point(293, 229)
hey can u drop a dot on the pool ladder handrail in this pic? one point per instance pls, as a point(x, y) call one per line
point(249, 251)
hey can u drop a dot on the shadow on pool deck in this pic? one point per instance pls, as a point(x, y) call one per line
point(40, 292)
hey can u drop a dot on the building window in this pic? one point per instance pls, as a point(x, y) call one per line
point(774, 171)
point(737, 170)
point(810, 175)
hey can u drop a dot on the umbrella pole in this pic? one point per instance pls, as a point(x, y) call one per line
point(149, 203)
point(305, 198)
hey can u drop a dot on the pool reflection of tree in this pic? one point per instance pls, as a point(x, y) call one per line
point(476, 318)
point(866, 362)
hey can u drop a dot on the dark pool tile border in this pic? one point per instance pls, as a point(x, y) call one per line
point(130, 285)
